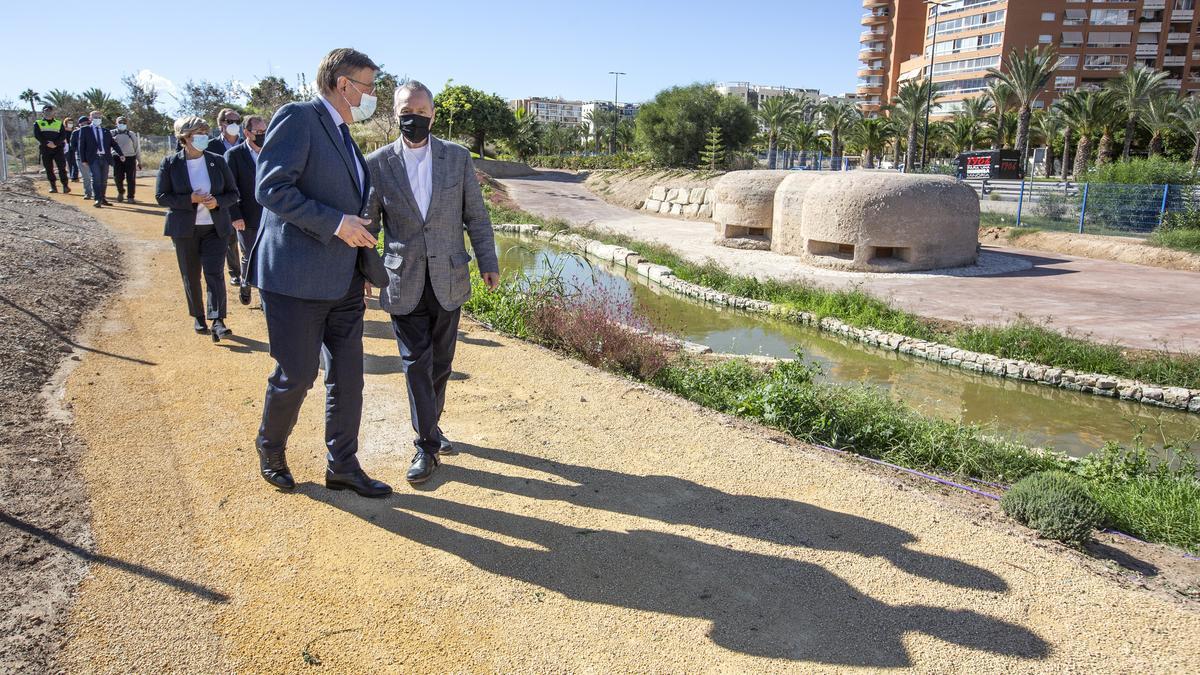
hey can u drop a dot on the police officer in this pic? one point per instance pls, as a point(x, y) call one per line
point(52, 140)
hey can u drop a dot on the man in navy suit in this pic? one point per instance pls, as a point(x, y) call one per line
point(95, 152)
point(313, 185)
point(247, 213)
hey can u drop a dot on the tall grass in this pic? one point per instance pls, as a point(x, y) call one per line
point(1179, 240)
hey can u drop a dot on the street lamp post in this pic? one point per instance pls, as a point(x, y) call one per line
point(3, 151)
point(937, 7)
point(612, 139)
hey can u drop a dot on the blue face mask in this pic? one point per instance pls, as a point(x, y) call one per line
point(200, 142)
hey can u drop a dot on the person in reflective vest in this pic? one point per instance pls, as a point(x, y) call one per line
point(52, 140)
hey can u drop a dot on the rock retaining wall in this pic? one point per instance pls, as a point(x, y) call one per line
point(684, 201)
point(1178, 398)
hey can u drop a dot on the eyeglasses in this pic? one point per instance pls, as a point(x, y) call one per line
point(370, 86)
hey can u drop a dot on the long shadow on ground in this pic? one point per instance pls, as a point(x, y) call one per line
point(758, 604)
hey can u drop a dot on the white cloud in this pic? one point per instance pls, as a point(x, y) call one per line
point(165, 87)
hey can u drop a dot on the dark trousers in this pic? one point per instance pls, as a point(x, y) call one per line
point(49, 160)
point(99, 169)
point(303, 334)
point(427, 337)
point(204, 252)
point(245, 240)
point(125, 176)
point(233, 260)
point(73, 165)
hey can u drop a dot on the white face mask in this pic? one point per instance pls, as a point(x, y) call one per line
point(365, 108)
point(200, 142)
point(96, 121)
point(122, 127)
point(232, 129)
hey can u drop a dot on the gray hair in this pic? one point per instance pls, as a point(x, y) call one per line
point(186, 126)
point(341, 63)
point(412, 86)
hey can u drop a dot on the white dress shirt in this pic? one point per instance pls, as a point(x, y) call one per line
point(198, 175)
point(418, 163)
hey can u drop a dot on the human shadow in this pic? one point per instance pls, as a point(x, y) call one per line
point(67, 339)
point(199, 590)
point(374, 328)
point(478, 342)
point(757, 604)
point(375, 364)
point(240, 344)
point(677, 501)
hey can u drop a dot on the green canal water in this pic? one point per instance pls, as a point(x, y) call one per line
point(1037, 415)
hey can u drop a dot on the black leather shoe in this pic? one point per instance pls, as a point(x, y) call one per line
point(357, 480)
point(423, 465)
point(274, 469)
point(445, 447)
point(121, 198)
point(220, 330)
point(53, 190)
point(66, 189)
point(97, 205)
point(106, 202)
point(201, 327)
point(235, 280)
point(244, 295)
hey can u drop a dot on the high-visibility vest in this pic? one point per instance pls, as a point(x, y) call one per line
point(47, 125)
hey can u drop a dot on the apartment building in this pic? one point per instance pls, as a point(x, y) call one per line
point(1095, 39)
point(754, 94)
point(628, 111)
point(551, 110)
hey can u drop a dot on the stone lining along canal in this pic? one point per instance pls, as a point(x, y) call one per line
point(1041, 416)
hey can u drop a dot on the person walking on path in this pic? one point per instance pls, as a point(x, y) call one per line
point(199, 191)
point(72, 157)
point(95, 152)
point(229, 121)
point(125, 162)
point(426, 191)
point(313, 184)
point(84, 171)
point(247, 212)
point(52, 138)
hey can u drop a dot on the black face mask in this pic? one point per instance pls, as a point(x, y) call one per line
point(257, 138)
point(415, 127)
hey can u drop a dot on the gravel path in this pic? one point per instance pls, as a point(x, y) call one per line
point(1133, 305)
point(588, 524)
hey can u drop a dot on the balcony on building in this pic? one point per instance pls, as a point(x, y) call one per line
point(1178, 38)
point(1147, 49)
point(1150, 27)
point(1174, 61)
point(1182, 15)
point(868, 70)
point(1173, 83)
point(870, 52)
point(876, 17)
point(872, 35)
point(1154, 4)
point(876, 3)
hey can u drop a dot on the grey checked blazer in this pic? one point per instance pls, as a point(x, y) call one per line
point(413, 245)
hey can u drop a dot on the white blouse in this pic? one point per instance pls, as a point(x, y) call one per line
point(198, 175)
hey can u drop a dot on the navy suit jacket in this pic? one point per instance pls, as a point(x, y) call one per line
point(242, 166)
point(307, 181)
point(174, 191)
point(89, 150)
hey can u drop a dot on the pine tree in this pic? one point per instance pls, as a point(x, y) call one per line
point(713, 155)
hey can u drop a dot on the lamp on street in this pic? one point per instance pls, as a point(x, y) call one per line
point(612, 139)
point(937, 7)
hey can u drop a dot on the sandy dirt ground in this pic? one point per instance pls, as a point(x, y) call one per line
point(588, 524)
point(1117, 249)
point(1132, 305)
point(56, 265)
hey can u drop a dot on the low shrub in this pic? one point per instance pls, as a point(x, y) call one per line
point(1179, 240)
point(1056, 504)
point(1150, 171)
point(621, 160)
point(600, 332)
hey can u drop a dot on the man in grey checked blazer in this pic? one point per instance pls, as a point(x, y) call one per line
point(425, 191)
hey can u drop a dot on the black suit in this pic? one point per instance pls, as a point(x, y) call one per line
point(97, 154)
point(233, 260)
point(198, 247)
point(242, 164)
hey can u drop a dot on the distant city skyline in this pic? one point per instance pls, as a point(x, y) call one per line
point(515, 50)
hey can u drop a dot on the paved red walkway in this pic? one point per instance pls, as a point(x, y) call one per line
point(1136, 306)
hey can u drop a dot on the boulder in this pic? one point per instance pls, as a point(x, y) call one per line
point(652, 204)
point(744, 202)
point(658, 193)
point(788, 211)
point(696, 196)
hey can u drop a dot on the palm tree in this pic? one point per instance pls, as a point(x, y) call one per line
point(914, 98)
point(1068, 108)
point(1000, 93)
point(961, 133)
point(872, 135)
point(1050, 123)
point(1159, 117)
point(1133, 89)
point(59, 98)
point(526, 136)
point(837, 117)
point(775, 114)
point(1189, 117)
point(801, 136)
point(1087, 115)
point(1110, 117)
point(976, 108)
point(626, 135)
point(31, 96)
point(1026, 73)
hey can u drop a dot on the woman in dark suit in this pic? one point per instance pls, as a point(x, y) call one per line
point(199, 190)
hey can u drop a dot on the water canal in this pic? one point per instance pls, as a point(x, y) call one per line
point(1041, 416)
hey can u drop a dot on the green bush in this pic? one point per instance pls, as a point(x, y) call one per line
point(1152, 171)
point(621, 160)
point(1056, 504)
point(1180, 240)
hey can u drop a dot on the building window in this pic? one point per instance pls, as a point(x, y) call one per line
point(1068, 62)
point(1064, 82)
point(1105, 62)
point(1112, 17)
point(1045, 39)
point(1102, 39)
point(1048, 16)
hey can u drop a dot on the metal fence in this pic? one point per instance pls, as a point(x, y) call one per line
point(19, 149)
point(1099, 208)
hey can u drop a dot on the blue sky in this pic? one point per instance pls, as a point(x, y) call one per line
point(514, 48)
